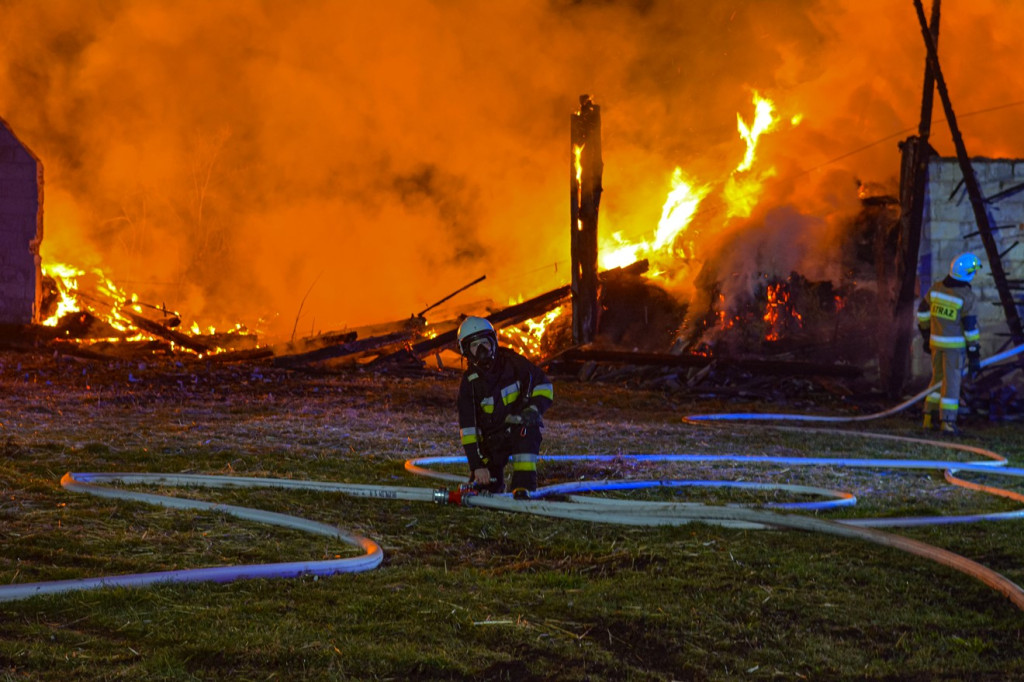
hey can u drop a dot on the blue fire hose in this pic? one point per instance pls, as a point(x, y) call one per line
point(577, 507)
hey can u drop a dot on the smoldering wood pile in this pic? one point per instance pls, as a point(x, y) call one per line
point(402, 346)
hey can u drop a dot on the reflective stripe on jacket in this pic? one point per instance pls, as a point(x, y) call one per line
point(486, 397)
point(947, 313)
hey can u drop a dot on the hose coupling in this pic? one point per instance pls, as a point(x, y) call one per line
point(456, 497)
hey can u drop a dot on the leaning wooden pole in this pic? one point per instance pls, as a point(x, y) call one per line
point(916, 152)
point(973, 191)
point(585, 169)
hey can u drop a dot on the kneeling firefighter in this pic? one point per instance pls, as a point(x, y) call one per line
point(501, 399)
point(949, 331)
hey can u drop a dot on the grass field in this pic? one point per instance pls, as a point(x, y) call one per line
point(465, 593)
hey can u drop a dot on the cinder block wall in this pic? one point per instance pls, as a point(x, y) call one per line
point(21, 230)
point(949, 229)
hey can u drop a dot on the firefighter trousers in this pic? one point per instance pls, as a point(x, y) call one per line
point(947, 370)
point(521, 446)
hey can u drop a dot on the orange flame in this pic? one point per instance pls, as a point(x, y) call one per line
point(93, 292)
point(108, 303)
point(764, 120)
point(682, 202)
point(66, 280)
point(577, 155)
point(740, 191)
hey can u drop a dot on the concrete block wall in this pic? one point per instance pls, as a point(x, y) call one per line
point(21, 230)
point(949, 229)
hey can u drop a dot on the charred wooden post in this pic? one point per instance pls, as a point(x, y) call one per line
point(916, 151)
point(973, 191)
point(157, 329)
point(585, 169)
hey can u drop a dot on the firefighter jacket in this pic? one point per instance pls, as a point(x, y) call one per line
point(510, 385)
point(947, 318)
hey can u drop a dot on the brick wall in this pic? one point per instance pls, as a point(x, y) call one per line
point(949, 229)
point(21, 230)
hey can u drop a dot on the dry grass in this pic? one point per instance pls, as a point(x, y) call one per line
point(464, 593)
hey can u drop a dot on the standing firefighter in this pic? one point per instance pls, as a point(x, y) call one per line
point(501, 400)
point(949, 325)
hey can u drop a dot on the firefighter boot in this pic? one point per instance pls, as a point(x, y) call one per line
point(930, 421)
point(949, 428)
point(524, 472)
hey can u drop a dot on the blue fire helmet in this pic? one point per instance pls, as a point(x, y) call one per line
point(964, 266)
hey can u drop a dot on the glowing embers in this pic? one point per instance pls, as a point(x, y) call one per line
point(779, 314)
point(786, 315)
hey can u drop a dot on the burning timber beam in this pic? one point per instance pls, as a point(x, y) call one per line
point(158, 330)
point(430, 307)
point(1013, 320)
point(585, 169)
point(291, 348)
point(341, 350)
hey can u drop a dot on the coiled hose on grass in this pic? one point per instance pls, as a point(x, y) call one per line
point(580, 508)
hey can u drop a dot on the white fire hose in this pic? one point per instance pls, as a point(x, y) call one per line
point(616, 511)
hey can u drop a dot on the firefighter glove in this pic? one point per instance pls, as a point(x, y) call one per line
point(973, 364)
point(514, 419)
point(530, 416)
point(926, 342)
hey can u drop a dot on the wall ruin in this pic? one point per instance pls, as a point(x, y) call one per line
point(21, 230)
point(949, 229)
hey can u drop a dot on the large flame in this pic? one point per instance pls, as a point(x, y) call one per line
point(104, 299)
point(764, 119)
point(743, 188)
point(682, 202)
point(740, 192)
point(228, 158)
point(77, 291)
point(65, 278)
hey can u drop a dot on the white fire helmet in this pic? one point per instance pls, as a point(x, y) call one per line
point(964, 266)
point(475, 329)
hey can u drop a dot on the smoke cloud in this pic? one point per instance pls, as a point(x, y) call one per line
point(324, 164)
